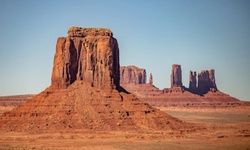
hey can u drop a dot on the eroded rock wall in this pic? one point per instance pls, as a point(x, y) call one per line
point(176, 77)
point(206, 81)
point(132, 74)
point(87, 54)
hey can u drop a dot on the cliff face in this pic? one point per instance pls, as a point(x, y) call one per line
point(176, 78)
point(206, 81)
point(87, 54)
point(132, 74)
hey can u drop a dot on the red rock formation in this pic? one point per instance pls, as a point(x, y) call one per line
point(185, 97)
point(9, 102)
point(82, 94)
point(192, 82)
point(151, 79)
point(213, 86)
point(87, 54)
point(176, 78)
point(206, 81)
point(132, 74)
point(83, 32)
point(173, 90)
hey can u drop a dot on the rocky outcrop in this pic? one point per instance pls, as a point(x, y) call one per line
point(151, 79)
point(132, 74)
point(203, 81)
point(205, 95)
point(213, 86)
point(193, 82)
point(82, 95)
point(173, 90)
point(83, 32)
point(87, 54)
point(176, 78)
point(206, 81)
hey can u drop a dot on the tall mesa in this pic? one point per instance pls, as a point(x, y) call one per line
point(87, 54)
point(85, 93)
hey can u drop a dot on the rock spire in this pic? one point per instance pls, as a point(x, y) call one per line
point(193, 82)
point(176, 78)
point(151, 79)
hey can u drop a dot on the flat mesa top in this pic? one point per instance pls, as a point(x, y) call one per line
point(133, 67)
point(83, 32)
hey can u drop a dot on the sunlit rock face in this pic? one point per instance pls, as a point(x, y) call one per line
point(87, 54)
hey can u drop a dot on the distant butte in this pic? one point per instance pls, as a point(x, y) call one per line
point(201, 94)
point(132, 74)
point(85, 92)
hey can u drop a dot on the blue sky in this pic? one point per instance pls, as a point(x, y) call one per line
point(152, 34)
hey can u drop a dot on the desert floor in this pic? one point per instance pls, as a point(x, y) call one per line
point(225, 129)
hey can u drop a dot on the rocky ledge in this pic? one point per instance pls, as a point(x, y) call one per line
point(83, 32)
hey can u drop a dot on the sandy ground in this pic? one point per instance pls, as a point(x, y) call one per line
point(225, 129)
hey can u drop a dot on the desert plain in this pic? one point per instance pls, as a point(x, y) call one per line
point(225, 128)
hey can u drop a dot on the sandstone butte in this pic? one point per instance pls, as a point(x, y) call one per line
point(132, 74)
point(85, 92)
point(201, 93)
